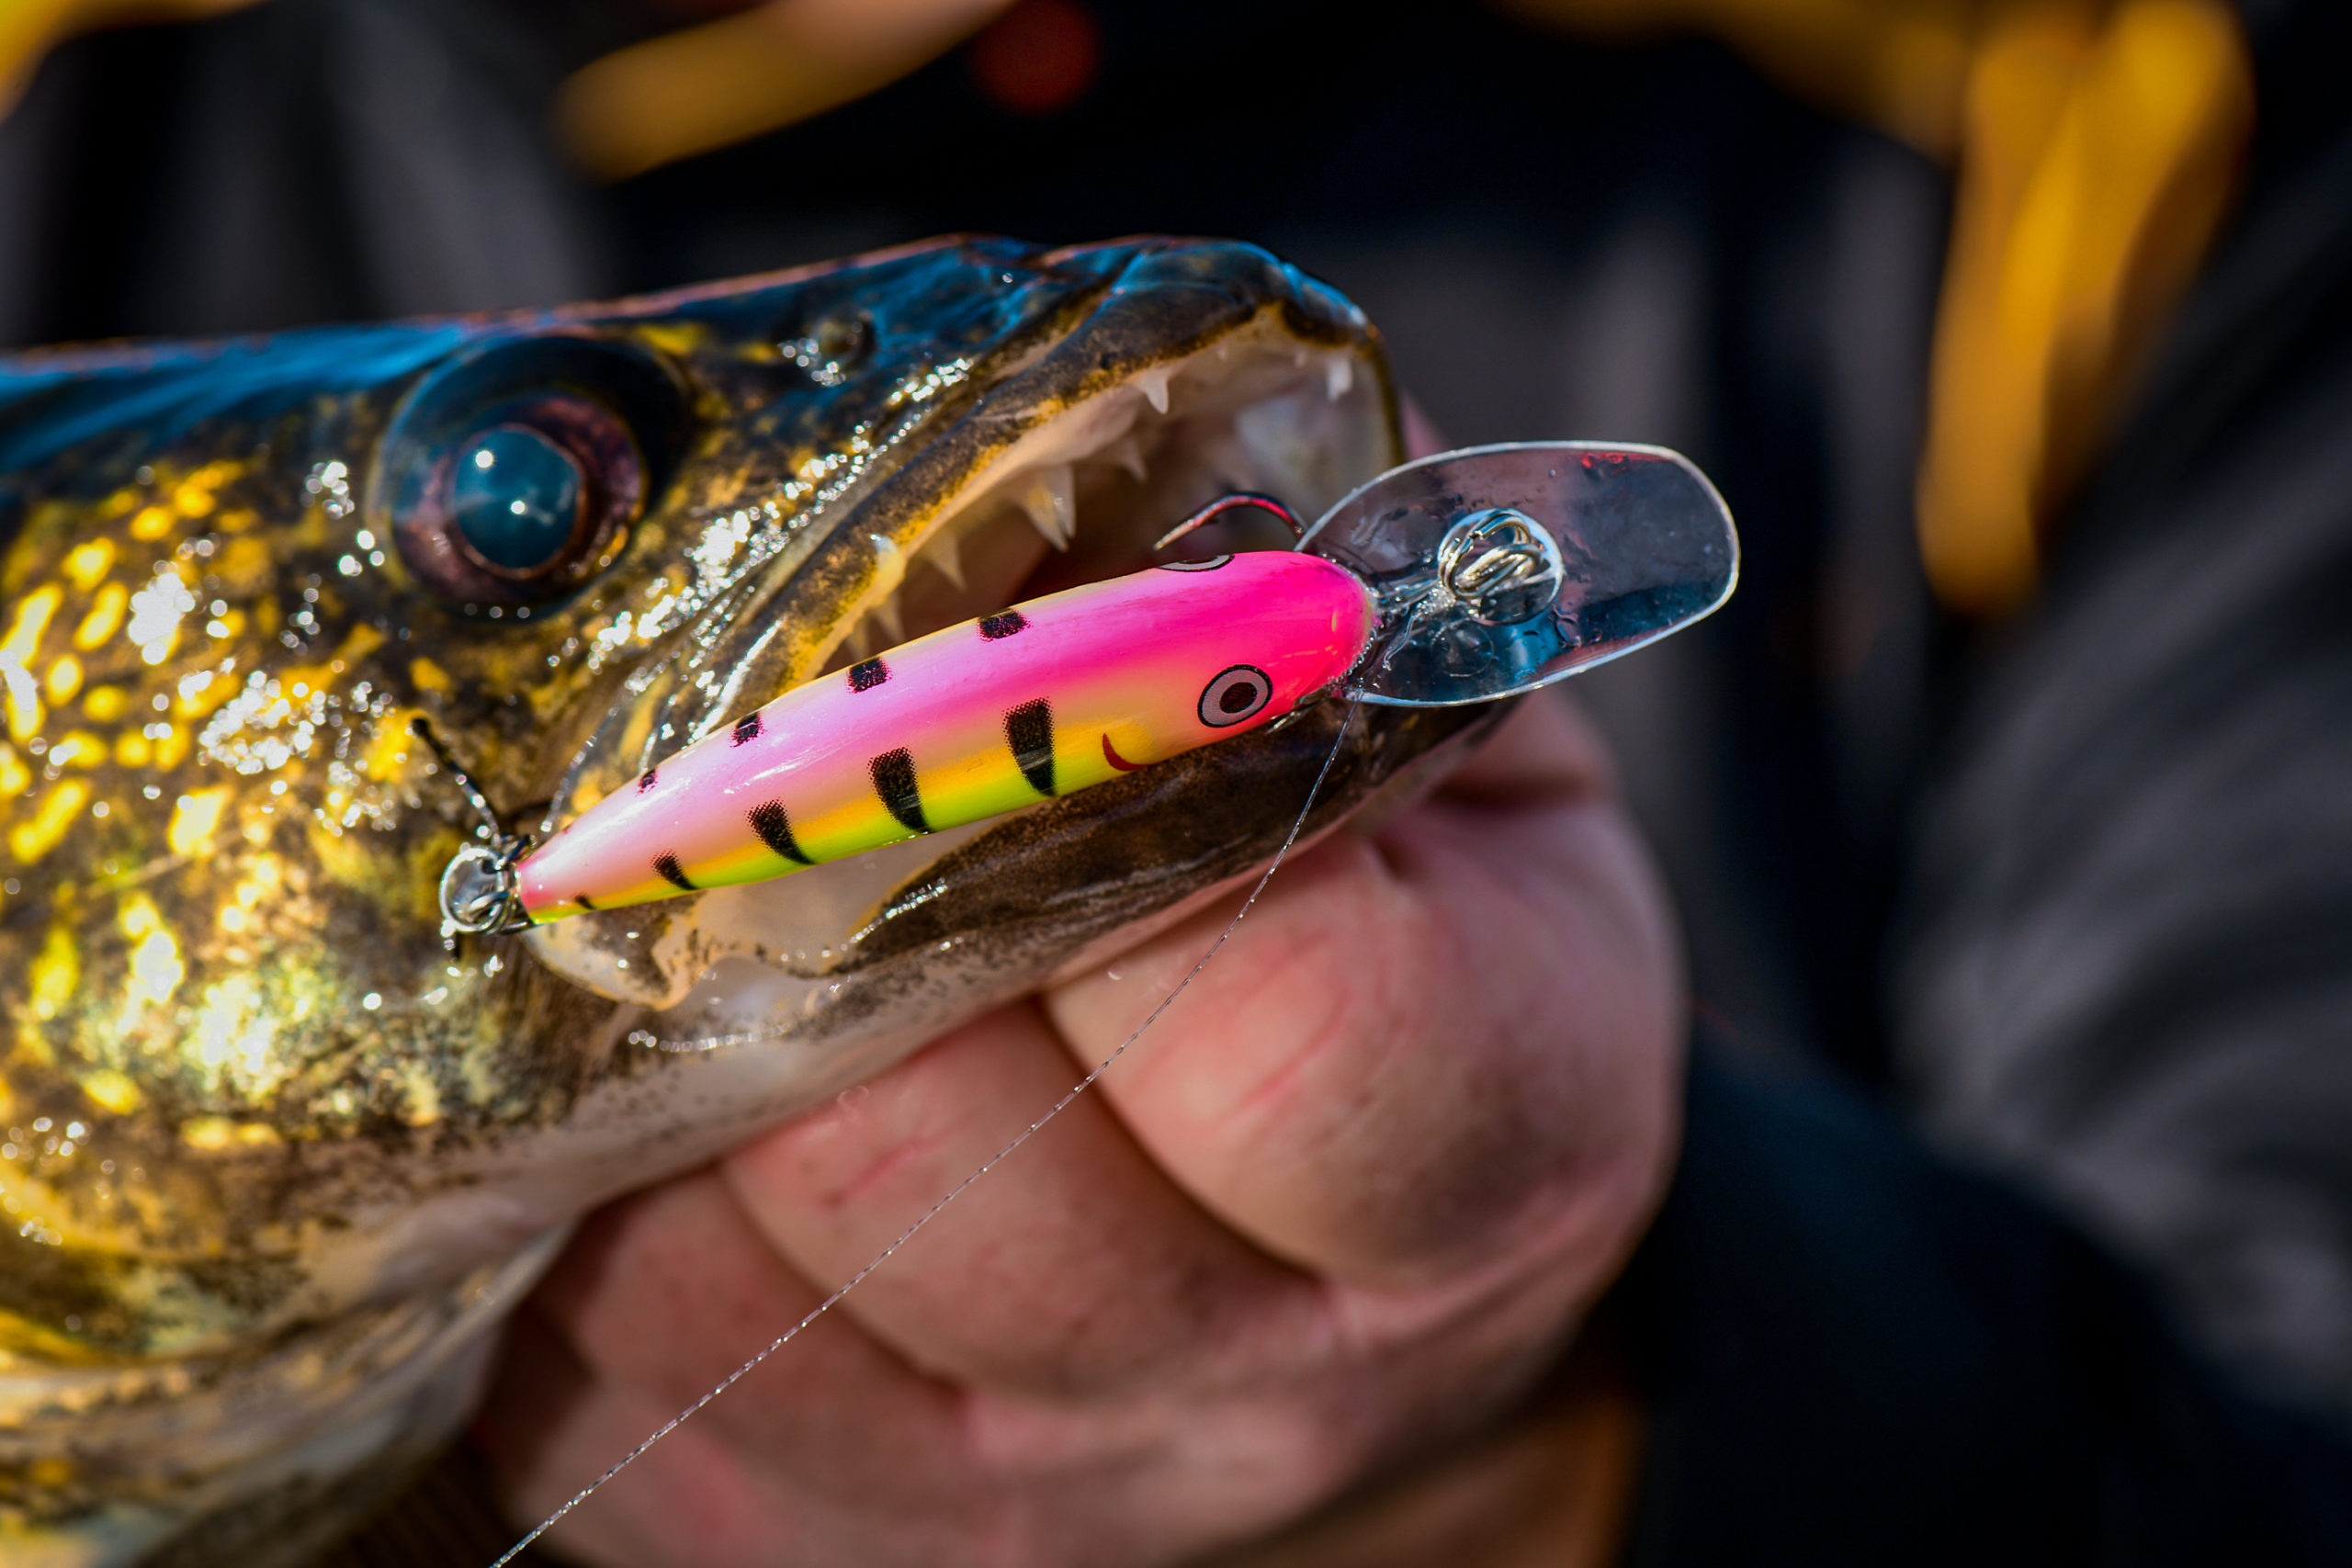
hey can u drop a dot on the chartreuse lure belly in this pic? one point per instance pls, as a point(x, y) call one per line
point(1462, 577)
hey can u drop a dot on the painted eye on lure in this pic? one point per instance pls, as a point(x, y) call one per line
point(1462, 577)
point(1236, 696)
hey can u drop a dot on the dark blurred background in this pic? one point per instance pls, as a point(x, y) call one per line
point(2007, 871)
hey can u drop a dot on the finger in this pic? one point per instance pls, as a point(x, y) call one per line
point(1555, 755)
point(702, 1495)
point(1075, 1268)
point(548, 1426)
point(1424, 1052)
point(669, 1292)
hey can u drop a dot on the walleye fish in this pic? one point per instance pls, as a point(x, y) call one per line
point(275, 1158)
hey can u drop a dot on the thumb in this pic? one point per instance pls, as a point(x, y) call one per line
point(1425, 1049)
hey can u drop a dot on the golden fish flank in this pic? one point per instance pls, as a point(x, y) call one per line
point(185, 710)
point(162, 610)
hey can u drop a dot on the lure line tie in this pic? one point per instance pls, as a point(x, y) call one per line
point(480, 893)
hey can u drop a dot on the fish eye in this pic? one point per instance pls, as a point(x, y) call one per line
point(525, 506)
point(515, 500)
point(515, 475)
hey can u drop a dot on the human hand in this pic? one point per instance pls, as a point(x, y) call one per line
point(1347, 1201)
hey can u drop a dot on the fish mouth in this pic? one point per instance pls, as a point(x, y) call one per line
point(1068, 470)
point(1087, 495)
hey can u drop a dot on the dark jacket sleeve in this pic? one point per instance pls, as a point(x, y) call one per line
point(1854, 1352)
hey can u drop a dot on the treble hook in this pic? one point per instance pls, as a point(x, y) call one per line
point(1226, 503)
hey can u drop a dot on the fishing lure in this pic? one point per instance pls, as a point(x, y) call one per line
point(1465, 577)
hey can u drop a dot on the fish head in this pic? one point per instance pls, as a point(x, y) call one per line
point(272, 1139)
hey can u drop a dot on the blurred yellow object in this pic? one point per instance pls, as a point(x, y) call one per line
point(2096, 143)
point(2095, 166)
point(724, 81)
point(30, 29)
point(1900, 65)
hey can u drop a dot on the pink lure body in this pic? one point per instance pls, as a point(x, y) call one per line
point(1049, 697)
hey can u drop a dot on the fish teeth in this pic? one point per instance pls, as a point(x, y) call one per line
point(1127, 452)
point(1153, 385)
point(1051, 505)
point(946, 553)
point(1338, 375)
point(889, 620)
